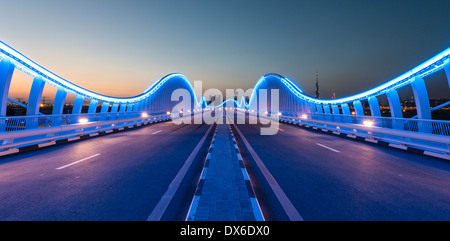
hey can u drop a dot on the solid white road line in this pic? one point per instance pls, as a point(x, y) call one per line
point(329, 148)
point(73, 163)
point(156, 132)
point(165, 200)
point(287, 205)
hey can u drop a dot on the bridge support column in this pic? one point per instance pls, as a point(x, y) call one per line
point(114, 111)
point(123, 107)
point(326, 109)
point(345, 109)
point(34, 99)
point(313, 108)
point(359, 111)
point(422, 104)
point(78, 104)
point(421, 98)
point(375, 110)
point(34, 102)
point(114, 108)
point(319, 108)
point(104, 111)
point(336, 113)
point(395, 108)
point(58, 106)
point(335, 109)
point(6, 73)
point(105, 107)
point(447, 70)
point(92, 109)
point(374, 106)
point(76, 109)
point(320, 111)
point(394, 104)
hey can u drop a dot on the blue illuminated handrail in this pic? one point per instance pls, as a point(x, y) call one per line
point(428, 67)
point(29, 67)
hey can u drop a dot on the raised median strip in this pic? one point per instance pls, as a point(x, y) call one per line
point(224, 192)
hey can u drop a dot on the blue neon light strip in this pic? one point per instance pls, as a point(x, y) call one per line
point(31, 68)
point(432, 65)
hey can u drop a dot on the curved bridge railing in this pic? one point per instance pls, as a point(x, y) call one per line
point(156, 100)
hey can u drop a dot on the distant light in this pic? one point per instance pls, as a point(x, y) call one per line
point(368, 123)
point(144, 114)
point(83, 121)
point(168, 112)
point(266, 112)
point(304, 116)
point(279, 113)
point(353, 113)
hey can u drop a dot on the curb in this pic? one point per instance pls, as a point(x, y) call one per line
point(198, 191)
point(255, 205)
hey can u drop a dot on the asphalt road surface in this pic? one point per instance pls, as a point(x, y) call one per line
point(328, 177)
point(120, 176)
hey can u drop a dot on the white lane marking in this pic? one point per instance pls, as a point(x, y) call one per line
point(280, 129)
point(329, 148)
point(287, 205)
point(73, 163)
point(156, 132)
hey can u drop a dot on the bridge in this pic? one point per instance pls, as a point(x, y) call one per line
point(278, 154)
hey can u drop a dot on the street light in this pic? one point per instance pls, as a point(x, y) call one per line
point(83, 121)
point(368, 123)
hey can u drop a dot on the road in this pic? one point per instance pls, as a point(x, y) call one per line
point(124, 175)
point(329, 177)
point(119, 176)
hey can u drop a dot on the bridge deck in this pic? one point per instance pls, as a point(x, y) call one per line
point(224, 192)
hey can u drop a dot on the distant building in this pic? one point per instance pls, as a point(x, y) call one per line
point(317, 85)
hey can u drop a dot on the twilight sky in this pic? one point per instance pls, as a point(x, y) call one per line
point(120, 47)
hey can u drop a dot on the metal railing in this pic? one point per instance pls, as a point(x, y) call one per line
point(435, 127)
point(20, 123)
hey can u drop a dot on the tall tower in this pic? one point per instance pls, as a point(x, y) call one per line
point(317, 84)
